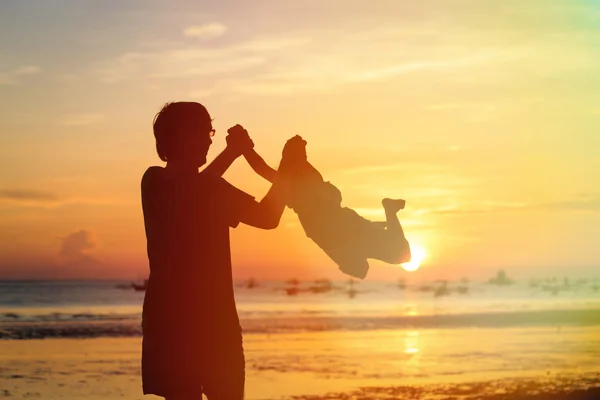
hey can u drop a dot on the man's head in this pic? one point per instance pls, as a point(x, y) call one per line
point(183, 132)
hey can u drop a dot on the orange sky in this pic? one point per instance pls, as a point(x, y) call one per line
point(484, 117)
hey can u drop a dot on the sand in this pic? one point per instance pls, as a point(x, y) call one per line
point(468, 364)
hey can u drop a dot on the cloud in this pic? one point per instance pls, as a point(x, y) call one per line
point(581, 204)
point(303, 61)
point(44, 199)
point(14, 77)
point(184, 61)
point(416, 66)
point(474, 112)
point(82, 120)
point(76, 250)
point(205, 32)
point(17, 195)
point(325, 57)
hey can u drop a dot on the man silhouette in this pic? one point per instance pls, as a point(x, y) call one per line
point(192, 340)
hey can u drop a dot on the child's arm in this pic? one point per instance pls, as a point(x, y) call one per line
point(259, 165)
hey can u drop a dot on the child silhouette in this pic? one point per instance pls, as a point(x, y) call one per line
point(345, 236)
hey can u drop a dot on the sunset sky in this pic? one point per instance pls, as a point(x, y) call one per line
point(483, 115)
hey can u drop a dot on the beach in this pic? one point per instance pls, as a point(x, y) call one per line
point(471, 363)
point(386, 343)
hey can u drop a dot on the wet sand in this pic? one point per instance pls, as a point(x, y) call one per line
point(379, 364)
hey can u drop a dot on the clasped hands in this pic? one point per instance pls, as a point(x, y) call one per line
point(294, 150)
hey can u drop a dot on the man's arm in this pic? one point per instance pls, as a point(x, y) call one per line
point(221, 163)
point(238, 142)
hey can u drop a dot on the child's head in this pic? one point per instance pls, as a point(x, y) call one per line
point(183, 132)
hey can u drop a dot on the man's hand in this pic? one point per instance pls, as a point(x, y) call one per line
point(238, 140)
point(294, 152)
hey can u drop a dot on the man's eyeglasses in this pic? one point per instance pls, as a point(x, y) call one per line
point(211, 133)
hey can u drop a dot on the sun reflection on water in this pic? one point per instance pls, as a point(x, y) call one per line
point(412, 342)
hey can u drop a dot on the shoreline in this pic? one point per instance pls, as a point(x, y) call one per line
point(462, 364)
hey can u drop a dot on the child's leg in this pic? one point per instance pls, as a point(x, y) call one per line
point(389, 245)
point(391, 208)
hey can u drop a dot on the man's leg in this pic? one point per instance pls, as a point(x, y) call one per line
point(184, 396)
point(224, 375)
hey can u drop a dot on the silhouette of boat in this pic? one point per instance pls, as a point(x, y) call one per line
point(249, 284)
point(401, 284)
point(426, 288)
point(292, 291)
point(140, 287)
point(352, 292)
point(293, 282)
point(501, 279)
point(534, 283)
point(293, 288)
point(321, 286)
point(124, 286)
point(462, 289)
point(554, 289)
point(441, 290)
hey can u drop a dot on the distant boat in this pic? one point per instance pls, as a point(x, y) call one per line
point(352, 292)
point(292, 291)
point(534, 283)
point(140, 287)
point(554, 289)
point(425, 288)
point(501, 279)
point(293, 282)
point(441, 290)
point(249, 284)
point(401, 284)
point(124, 286)
point(321, 286)
point(462, 289)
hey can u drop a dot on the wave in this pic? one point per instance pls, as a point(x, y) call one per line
point(14, 326)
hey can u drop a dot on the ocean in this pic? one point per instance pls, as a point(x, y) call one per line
point(86, 309)
point(322, 340)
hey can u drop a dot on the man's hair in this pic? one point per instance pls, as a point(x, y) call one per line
point(168, 124)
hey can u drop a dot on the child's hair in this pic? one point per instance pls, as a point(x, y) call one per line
point(168, 122)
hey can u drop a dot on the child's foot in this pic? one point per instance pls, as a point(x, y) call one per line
point(393, 205)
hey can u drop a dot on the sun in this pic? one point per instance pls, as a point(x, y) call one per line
point(417, 256)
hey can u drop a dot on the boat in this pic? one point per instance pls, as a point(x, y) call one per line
point(462, 289)
point(441, 290)
point(292, 291)
point(501, 279)
point(140, 287)
point(321, 286)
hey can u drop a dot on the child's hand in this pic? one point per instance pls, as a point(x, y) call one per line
point(238, 140)
point(293, 152)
